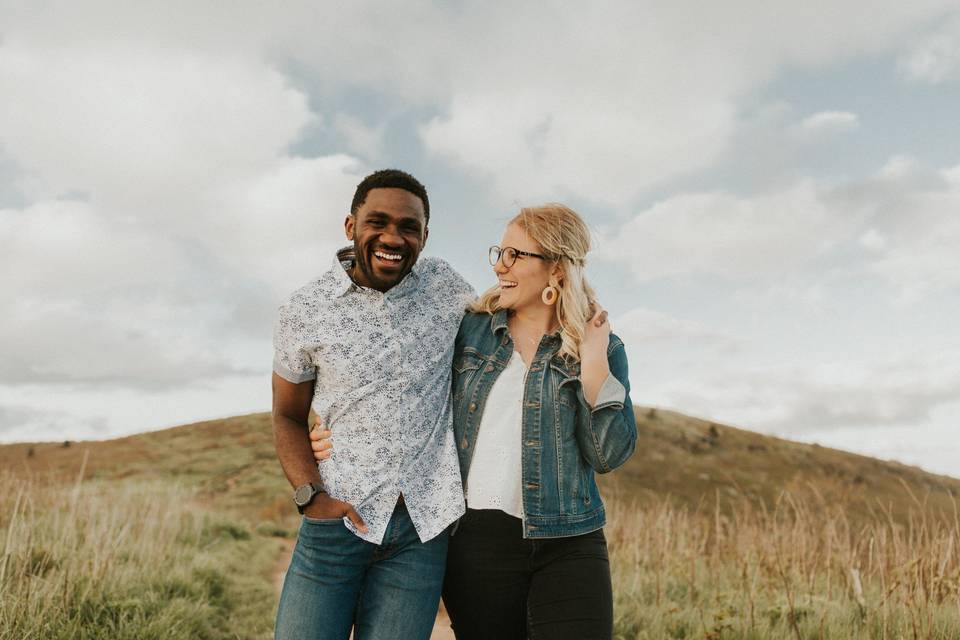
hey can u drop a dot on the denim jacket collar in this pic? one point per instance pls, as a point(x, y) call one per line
point(498, 323)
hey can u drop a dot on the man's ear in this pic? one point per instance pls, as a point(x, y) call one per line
point(426, 234)
point(348, 224)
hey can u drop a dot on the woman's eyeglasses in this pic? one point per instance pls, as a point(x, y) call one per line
point(509, 255)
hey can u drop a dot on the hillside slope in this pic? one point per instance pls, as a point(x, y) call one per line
point(181, 534)
point(694, 460)
point(690, 460)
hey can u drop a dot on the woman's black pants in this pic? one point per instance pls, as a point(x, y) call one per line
point(499, 586)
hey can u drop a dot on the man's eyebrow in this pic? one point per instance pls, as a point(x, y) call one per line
point(382, 215)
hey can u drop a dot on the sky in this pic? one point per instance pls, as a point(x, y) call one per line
point(773, 188)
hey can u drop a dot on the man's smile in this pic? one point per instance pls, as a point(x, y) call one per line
point(388, 259)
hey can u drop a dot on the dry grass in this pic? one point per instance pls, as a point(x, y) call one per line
point(740, 572)
point(715, 533)
point(126, 560)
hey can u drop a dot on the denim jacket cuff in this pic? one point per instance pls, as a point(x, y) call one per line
point(611, 392)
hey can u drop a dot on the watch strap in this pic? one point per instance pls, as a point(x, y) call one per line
point(315, 486)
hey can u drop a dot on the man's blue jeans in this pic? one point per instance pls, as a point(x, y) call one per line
point(336, 580)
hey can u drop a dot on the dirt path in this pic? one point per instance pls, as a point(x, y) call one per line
point(441, 628)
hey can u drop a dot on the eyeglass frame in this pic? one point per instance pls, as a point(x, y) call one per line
point(517, 254)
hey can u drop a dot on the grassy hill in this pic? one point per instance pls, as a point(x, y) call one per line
point(695, 460)
point(689, 460)
point(714, 533)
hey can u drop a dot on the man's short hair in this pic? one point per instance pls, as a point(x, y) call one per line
point(390, 179)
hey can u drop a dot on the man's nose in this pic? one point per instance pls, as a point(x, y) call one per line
point(391, 238)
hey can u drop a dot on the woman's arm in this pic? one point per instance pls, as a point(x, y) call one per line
point(607, 430)
point(594, 367)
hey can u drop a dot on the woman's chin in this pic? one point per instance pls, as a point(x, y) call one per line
point(519, 305)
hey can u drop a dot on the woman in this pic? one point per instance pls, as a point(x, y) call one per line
point(541, 402)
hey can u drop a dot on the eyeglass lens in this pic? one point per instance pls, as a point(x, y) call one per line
point(508, 254)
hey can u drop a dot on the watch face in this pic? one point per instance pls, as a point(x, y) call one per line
point(303, 494)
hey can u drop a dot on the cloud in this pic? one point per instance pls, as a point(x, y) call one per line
point(87, 412)
point(93, 300)
point(144, 128)
point(828, 122)
point(899, 225)
point(793, 399)
point(935, 57)
point(606, 152)
point(600, 103)
point(168, 172)
point(281, 225)
point(764, 237)
point(164, 215)
point(362, 139)
point(96, 298)
point(920, 229)
point(19, 423)
point(933, 446)
point(648, 328)
point(14, 416)
point(604, 108)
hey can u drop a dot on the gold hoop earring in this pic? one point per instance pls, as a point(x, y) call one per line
point(550, 295)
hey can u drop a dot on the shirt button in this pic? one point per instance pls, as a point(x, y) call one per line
point(473, 407)
point(463, 443)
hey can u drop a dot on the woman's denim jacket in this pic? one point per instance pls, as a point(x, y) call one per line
point(564, 440)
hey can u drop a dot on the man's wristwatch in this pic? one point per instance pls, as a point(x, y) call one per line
point(305, 494)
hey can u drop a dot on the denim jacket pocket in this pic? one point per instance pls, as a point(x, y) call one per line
point(467, 361)
point(465, 368)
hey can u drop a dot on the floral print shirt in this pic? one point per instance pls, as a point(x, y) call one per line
point(382, 369)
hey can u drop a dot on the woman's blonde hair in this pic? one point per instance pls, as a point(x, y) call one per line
point(565, 240)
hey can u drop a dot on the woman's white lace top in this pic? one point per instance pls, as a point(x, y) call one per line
point(495, 480)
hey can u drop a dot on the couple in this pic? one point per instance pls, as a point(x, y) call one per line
point(520, 401)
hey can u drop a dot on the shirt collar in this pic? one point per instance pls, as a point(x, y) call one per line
point(341, 282)
point(339, 279)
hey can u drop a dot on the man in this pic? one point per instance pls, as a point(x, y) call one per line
point(369, 347)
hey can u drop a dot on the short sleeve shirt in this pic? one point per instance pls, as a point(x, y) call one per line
point(381, 362)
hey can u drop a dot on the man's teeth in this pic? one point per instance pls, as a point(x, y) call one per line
point(506, 284)
point(396, 257)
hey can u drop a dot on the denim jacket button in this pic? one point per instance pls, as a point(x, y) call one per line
point(473, 407)
point(489, 368)
point(464, 443)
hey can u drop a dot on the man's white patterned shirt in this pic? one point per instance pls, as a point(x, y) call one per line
point(382, 366)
